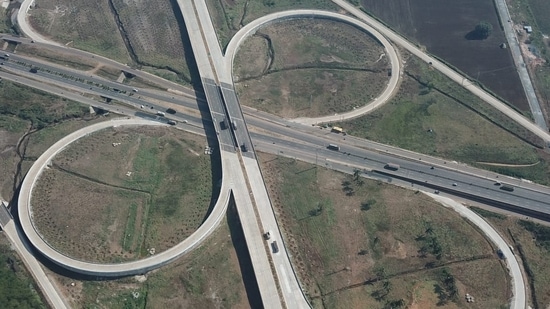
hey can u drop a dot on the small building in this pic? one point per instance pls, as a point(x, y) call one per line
point(528, 29)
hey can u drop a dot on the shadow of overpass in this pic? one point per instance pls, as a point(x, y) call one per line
point(245, 263)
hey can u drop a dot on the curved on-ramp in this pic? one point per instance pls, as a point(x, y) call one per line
point(109, 270)
point(518, 300)
point(253, 26)
point(26, 28)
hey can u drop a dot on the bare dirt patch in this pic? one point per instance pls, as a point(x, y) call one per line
point(348, 237)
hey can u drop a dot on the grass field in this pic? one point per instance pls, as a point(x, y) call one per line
point(326, 68)
point(531, 243)
point(362, 244)
point(27, 110)
point(155, 31)
point(5, 21)
point(442, 28)
point(86, 25)
point(88, 221)
point(435, 116)
point(537, 9)
point(230, 15)
point(142, 185)
point(208, 277)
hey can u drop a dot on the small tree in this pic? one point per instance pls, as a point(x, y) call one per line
point(483, 30)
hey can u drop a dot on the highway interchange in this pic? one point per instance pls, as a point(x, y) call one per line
point(304, 142)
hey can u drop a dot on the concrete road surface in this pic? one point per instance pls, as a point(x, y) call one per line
point(26, 27)
point(121, 269)
point(507, 25)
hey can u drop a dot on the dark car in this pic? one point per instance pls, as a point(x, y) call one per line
point(171, 111)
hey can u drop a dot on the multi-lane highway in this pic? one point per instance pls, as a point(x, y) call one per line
point(209, 61)
point(449, 177)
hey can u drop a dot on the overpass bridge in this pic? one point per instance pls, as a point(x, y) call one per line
point(232, 134)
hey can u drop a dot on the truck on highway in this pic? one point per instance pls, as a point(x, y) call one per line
point(333, 147)
point(392, 166)
point(506, 187)
point(337, 130)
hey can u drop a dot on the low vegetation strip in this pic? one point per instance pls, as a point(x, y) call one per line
point(16, 285)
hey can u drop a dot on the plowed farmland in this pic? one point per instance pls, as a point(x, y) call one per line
point(442, 27)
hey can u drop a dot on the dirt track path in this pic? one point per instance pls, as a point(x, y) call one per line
point(508, 165)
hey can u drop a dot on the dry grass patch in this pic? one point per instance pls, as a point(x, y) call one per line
point(160, 167)
point(349, 235)
point(207, 277)
point(327, 67)
point(87, 25)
